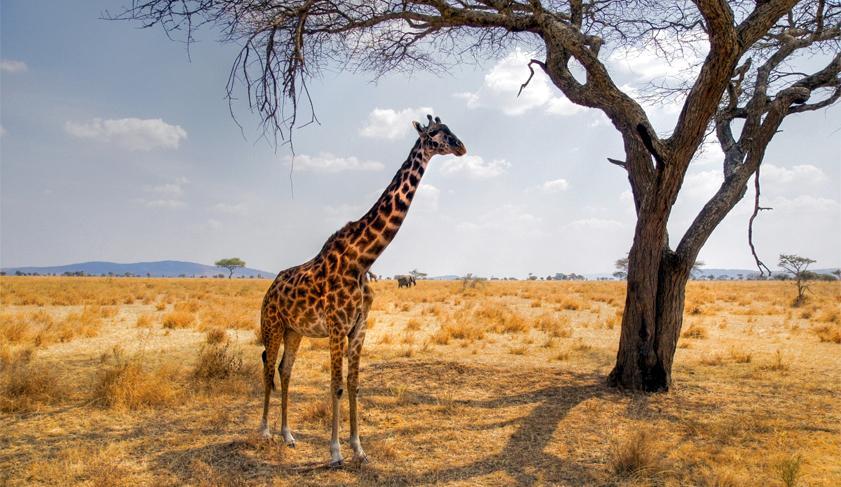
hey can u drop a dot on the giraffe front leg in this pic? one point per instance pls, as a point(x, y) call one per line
point(337, 343)
point(355, 342)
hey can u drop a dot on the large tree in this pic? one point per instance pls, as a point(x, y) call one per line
point(747, 83)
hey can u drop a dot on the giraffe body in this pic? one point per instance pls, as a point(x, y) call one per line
point(329, 295)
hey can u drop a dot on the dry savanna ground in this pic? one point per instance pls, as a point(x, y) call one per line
point(156, 381)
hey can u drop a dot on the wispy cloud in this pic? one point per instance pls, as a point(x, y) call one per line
point(166, 195)
point(164, 203)
point(503, 81)
point(474, 167)
point(598, 224)
point(12, 66)
point(554, 185)
point(130, 133)
point(387, 123)
point(426, 198)
point(175, 188)
point(231, 208)
point(328, 163)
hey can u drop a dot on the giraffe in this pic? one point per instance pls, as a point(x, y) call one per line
point(329, 296)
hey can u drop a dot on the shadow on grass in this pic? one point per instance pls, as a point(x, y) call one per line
point(523, 459)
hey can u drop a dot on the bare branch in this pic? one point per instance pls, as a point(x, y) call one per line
point(531, 73)
point(756, 209)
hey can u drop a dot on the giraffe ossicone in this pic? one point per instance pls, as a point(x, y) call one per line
point(329, 296)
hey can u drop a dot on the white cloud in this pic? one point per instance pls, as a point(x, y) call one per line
point(385, 123)
point(703, 184)
point(12, 66)
point(503, 81)
point(231, 208)
point(803, 204)
point(473, 167)
point(709, 153)
point(213, 224)
point(426, 198)
point(797, 175)
point(175, 188)
point(130, 133)
point(645, 62)
point(343, 211)
point(2, 131)
point(594, 224)
point(164, 203)
point(555, 185)
point(329, 163)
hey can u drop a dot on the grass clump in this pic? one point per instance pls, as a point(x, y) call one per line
point(218, 361)
point(788, 470)
point(695, 331)
point(127, 383)
point(635, 457)
point(178, 319)
point(25, 385)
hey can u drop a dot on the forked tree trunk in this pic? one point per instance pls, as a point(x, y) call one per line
point(651, 326)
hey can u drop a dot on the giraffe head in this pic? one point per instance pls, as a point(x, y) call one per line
point(438, 139)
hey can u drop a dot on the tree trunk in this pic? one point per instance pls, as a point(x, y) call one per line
point(652, 320)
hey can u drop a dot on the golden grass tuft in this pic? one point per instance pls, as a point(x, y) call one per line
point(695, 331)
point(127, 382)
point(215, 336)
point(178, 319)
point(635, 457)
point(828, 333)
point(25, 384)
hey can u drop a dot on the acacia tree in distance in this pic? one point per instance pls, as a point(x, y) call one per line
point(798, 266)
point(744, 87)
point(231, 264)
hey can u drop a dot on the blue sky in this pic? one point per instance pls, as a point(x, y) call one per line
point(117, 146)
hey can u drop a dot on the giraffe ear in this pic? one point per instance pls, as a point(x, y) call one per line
point(419, 128)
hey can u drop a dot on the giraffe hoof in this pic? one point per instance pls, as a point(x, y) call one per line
point(336, 464)
point(290, 444)
point(361, 459)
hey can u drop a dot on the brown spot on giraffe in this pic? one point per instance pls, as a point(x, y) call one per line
point(329, 296)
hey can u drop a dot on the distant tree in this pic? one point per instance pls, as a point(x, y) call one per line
point(622, 266)
point(798, 266)
point(696, 268)
point(232, 264)
point(837, 273)
point(417, 274)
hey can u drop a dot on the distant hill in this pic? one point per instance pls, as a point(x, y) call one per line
point(163, 268)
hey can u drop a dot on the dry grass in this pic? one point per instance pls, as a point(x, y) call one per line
point(500, 384)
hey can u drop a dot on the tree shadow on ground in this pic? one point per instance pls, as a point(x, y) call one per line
point(523, 459)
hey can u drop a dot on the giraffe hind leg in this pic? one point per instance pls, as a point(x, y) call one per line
point(272, 344)
point(291, 342)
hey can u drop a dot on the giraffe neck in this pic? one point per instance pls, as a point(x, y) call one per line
point(379, 226)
